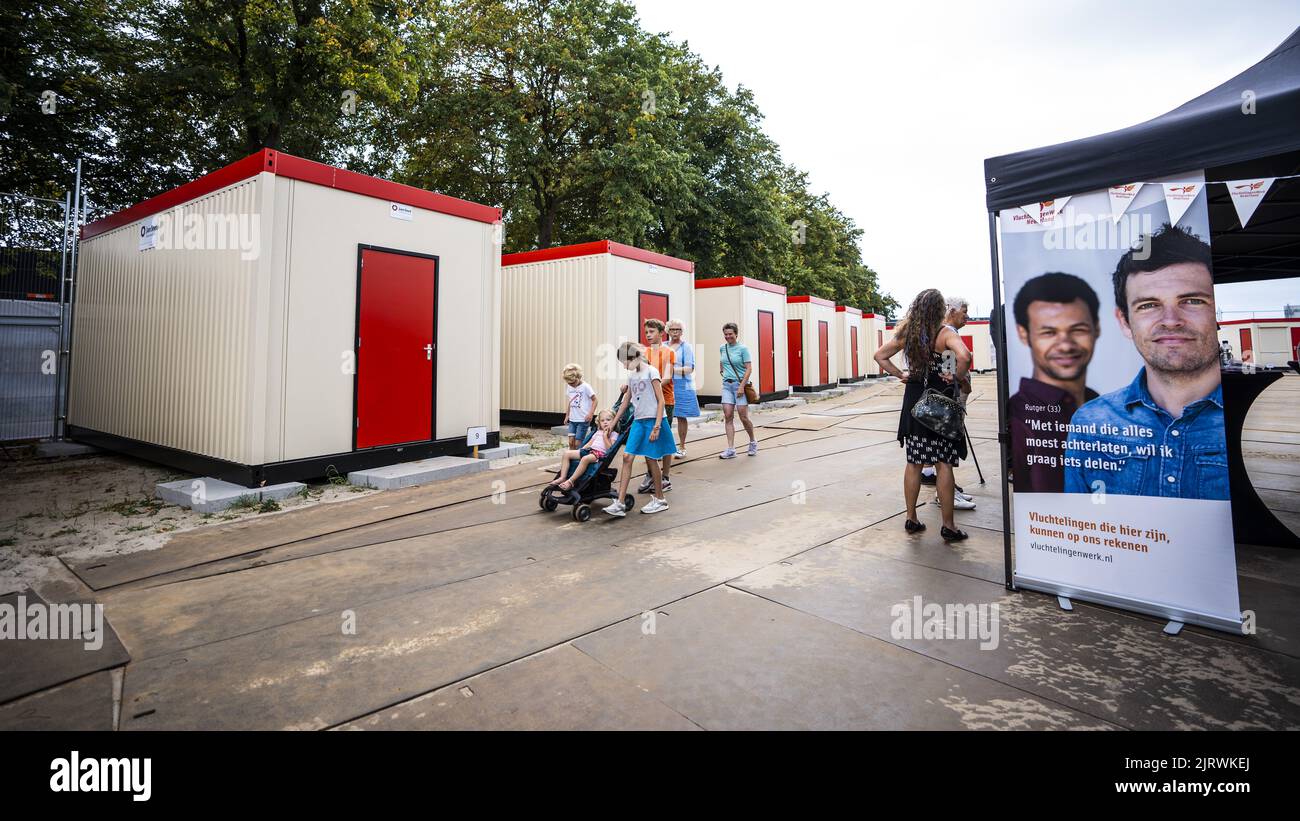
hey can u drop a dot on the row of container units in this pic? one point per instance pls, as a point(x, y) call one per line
point(280, 317)
point(758, 309)
point(1266, 342)
point(977, 336)
point(575, 305)
point(813, 356)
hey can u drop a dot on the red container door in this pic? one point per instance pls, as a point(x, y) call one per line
point(1295, 342)
point(853, 335)
point(766, 352)
point(794, 351)
point(1246, 346)
point(650, 306)
point(395, 339)
point(824, 351)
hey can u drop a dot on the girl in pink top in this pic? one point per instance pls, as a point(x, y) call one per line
point(597, 446)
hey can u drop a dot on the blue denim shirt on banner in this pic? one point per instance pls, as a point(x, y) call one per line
point(1184, 458)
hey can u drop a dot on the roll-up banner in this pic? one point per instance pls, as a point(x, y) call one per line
point(1120, 460)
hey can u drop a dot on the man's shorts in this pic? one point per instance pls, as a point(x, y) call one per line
point(733, 393)
point(668, 411)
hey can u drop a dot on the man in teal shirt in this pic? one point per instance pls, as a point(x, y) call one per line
point(736, 366)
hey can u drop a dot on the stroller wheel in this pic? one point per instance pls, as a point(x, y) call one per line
point(581, 513)
point(548, 502)
point(629, 502)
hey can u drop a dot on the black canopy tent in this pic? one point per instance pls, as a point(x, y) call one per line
point(1246, 128)
point(1214, 133)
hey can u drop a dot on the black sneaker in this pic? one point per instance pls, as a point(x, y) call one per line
point(929, 480)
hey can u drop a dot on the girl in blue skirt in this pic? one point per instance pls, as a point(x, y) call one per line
point(650, 435)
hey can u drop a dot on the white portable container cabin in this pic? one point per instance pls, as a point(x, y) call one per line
point(850, 344)
point(279, 317)
point(812, 355)
point(1266, 342)
point(758, 308)
point(577, 304)
point(873, 338)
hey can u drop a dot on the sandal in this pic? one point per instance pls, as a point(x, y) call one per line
point(561, 485)
point(953, 535)
point(913, 527)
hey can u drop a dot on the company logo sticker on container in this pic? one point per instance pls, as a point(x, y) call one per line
point(398, 211)
point(149, 233)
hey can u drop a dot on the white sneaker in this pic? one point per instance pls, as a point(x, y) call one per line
point(729, 453)
point(965, 496)
point(681, 454)
point(655, 506)
point(753, 448)
point(646, 484)
point(958, 503)
point(616, 509)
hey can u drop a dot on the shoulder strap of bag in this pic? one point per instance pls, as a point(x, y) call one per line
point(733, 362)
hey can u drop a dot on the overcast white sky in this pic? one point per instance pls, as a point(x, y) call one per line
point(893, 107)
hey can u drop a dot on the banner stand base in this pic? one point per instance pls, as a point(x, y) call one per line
point(1065, 602)
point(1174, 615)
point(1173, 628)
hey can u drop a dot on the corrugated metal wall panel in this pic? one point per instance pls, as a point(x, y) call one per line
point(714, 307)
point(161, 338)
point(554, 313)
point(844, 343)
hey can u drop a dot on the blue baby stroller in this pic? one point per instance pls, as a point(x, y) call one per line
point(598, 482)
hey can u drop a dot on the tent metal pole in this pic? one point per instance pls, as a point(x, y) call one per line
point(1004, 439)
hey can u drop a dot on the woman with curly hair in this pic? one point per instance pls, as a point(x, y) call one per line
point(924, 339)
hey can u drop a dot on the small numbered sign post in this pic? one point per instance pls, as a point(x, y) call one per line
point(475, 437)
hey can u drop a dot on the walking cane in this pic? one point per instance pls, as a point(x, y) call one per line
point(971, 447)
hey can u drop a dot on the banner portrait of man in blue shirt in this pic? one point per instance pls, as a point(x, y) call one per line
point(1162, 434)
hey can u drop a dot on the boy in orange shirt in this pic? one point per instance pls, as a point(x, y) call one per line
point(662, 358)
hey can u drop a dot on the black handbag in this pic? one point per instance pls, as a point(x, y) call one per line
point(942, 414)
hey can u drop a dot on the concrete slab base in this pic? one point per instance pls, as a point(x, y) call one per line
point(559, 429)
point(281, 491)
point(208, 495)
point(422, 472)
point(504, 451)
point(53, 449)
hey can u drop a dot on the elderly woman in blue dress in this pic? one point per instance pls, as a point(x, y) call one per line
point(686, 405)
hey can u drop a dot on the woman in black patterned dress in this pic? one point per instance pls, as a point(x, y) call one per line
point(923, 338)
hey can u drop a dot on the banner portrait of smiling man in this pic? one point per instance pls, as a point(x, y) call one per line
point(1115, 414)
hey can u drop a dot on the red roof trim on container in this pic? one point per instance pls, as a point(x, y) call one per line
point(748, 282)
point(296, 168)
point(815, 300)
point(1295, 319)
point(847, 309)
point(603, 246)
